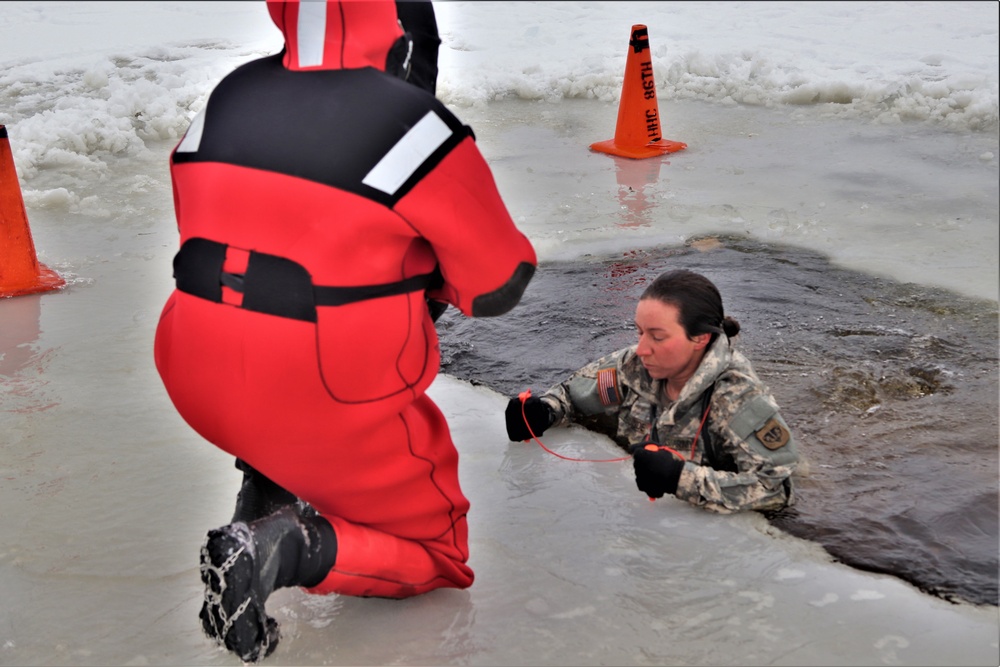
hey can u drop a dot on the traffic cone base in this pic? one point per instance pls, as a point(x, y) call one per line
point(661, 147)
point(44, 280)
point(20, 271)
point(637, 133)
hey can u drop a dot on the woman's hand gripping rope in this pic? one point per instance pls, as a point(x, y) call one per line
point(657, 467)
point(524, 397)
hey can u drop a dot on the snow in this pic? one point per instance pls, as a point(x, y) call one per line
point(867, 130)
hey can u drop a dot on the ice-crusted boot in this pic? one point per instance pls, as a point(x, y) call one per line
point(242, 564)
point(258, 495)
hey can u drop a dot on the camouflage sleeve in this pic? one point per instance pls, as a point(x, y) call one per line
point(594, 389)
point(763, 449)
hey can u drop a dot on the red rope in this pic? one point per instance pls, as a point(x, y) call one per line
point(694, 442)
point(524, 395)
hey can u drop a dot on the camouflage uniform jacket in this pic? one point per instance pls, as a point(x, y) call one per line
point(750, 453)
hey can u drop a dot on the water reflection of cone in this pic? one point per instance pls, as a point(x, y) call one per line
point(20, 271)
point(637, 134)
point(634, 180)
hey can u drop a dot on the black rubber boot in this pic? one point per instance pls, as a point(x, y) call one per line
point(242, 564)
point(258, 496)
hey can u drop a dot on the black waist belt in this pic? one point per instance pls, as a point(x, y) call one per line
point(275, 285)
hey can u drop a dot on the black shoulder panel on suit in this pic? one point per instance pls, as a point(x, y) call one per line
point(328, 126)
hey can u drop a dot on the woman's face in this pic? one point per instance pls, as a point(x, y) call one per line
point(664, 348)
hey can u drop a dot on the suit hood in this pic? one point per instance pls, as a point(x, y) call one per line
point(340, 34)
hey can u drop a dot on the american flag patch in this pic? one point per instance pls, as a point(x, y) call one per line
point(607, 386)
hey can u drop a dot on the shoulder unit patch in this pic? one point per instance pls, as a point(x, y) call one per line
point(773, 434)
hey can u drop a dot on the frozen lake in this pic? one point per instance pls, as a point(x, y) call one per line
point(107, 494)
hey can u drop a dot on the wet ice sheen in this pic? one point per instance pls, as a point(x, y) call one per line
point(107, 494)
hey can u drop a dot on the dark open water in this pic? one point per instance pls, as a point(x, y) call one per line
point(891, 389)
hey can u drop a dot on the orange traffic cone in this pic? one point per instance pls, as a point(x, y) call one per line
point(20, 271)
point(637, 134)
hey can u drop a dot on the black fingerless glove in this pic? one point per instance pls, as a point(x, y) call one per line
point(537, 412)
point(657, 470)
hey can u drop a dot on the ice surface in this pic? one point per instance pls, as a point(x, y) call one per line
point(107, 494)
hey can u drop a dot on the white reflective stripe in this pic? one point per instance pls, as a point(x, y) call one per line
point(408, 154)
point(192, 138)
point(311, 32)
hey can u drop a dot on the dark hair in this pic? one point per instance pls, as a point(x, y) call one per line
point(697, 300)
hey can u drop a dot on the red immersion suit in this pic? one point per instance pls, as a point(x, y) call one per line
point(320, 200)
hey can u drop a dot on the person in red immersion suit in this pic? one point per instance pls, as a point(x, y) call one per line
point(327, 210)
